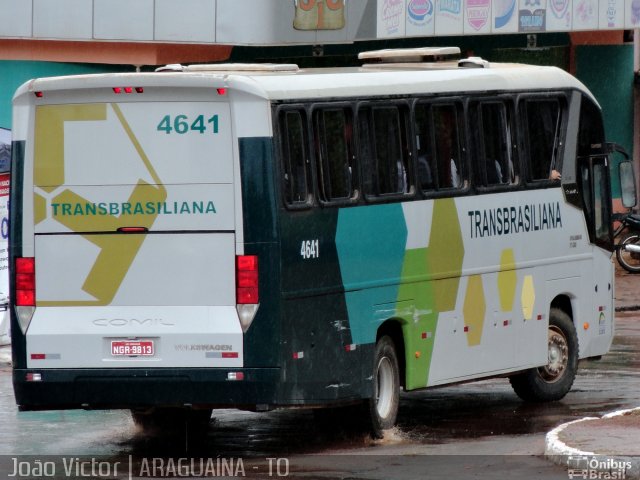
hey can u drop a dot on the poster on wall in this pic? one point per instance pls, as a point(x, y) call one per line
point(559, 14)
point(420, 18)
point(611, 14)
point(5, 162)
point(585, 14)
point(477, 16)
point(532, 16)
point(505, 16)
point(391, 18)
point(449, 17)
point(632, 14)
point(319, 15)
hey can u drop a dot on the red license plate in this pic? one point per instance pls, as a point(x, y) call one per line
point(131, 348)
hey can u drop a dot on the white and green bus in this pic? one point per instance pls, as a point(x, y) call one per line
point(263, 236)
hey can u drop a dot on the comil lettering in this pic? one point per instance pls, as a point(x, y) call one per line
point(511, 220)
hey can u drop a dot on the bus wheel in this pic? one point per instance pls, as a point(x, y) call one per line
point(159, 420)
point(383, 406)
point(553, 380)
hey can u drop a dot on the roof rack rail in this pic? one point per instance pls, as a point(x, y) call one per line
point(230, 67)
point(411, 55)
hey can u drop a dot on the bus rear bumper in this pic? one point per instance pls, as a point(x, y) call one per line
point(59, 389)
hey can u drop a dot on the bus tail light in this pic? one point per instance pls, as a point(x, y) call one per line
point(25, 282)
point(247, 290)
point(247, 279)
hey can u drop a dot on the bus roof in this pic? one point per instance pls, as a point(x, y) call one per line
point(288, 83)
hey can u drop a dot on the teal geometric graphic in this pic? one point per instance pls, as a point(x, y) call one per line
point(370, 243)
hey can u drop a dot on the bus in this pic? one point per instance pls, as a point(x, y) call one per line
point(260, 236)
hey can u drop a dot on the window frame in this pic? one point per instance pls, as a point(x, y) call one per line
point(459, 106)
point(560, 142)
point(403, 107)
point(474, 117)
point(280, 112)
point(318, 158)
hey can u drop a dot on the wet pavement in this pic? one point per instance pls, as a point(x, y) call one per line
point(608, 445)
point(483, 424)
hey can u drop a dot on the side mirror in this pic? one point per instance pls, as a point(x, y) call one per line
point(627, 184)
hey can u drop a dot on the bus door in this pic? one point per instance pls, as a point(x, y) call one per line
point(596, 195)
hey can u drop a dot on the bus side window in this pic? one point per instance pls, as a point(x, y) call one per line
point(295, 158)
point(439, 142)
point(543, 142)
point(496, 145)
point(448, 146)
point(424, 144)
point(384, 150)
point(336, 170)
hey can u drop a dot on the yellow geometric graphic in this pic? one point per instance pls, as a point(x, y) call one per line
point(49, 142)
point(445, 254)
point(528, 297)
point(507, 280)
point(474, 310)
point(39, 208)
point(117, 252)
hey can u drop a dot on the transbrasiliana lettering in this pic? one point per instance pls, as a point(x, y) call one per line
point(133, 208)
point(510, 220)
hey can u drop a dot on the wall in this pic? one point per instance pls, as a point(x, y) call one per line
point(607, 70)
point(15, 73)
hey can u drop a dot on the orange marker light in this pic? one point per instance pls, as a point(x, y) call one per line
point(586, 325)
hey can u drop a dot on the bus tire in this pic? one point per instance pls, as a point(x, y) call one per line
point(382, 408)
point(552, 381)
point(159, 420)
point(630, 261)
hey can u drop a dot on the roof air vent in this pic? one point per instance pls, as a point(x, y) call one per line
point(473, 62)
point(411, 55)
point(231, 67)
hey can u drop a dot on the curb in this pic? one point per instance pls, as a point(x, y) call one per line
point(583, 464)
point(628, 308)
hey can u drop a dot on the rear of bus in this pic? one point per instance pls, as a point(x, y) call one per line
point(128, 273)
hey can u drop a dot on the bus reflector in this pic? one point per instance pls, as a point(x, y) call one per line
point(235, 376)
point(247, 279)
point(133, 229)
point(34, 377)
point(127, 90)
point(25, 281)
